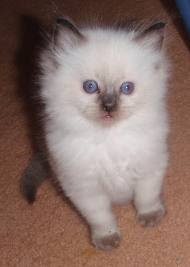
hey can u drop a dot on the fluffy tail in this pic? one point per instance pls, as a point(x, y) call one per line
point(35, 173)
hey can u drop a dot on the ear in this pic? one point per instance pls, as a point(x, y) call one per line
point(66, 33)
point(153, 35)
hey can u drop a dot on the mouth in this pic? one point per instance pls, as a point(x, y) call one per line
point(107, 116)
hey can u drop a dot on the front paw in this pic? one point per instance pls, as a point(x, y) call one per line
point(107, 242)
point(152, 218)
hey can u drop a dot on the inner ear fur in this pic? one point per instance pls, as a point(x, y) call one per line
point(152, 35)
point(66, 33)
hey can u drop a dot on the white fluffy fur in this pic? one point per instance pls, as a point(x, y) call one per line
point(98, 164)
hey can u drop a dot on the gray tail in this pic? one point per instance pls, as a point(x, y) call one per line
point(35, 173)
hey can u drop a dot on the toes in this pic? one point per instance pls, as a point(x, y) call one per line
point(107, 242)
point(151, 219)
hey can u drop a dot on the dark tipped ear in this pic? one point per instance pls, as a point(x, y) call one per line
point(153, 35)
point(66, 33)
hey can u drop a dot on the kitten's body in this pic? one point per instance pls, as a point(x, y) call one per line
point(101, 160)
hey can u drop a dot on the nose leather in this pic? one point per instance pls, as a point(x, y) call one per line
point(109, 102)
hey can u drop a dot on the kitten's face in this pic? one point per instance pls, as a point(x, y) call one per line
point(108, 76)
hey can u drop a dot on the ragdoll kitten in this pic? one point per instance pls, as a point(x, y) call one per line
point(106, 123)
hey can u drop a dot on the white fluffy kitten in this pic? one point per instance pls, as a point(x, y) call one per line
point(106, 128)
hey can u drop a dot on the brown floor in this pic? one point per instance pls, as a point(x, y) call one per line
point(50, 233)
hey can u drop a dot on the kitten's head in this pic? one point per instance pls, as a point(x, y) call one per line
point(104, 74)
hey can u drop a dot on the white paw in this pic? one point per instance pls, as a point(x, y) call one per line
point(107, 242)
point(152, 218)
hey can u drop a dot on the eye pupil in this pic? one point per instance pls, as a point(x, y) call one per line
point(90, 86)
point(127, 88)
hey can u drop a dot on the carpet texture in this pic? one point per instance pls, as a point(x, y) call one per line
point(50, 232)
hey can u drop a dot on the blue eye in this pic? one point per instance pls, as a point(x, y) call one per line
point(127, 88)
point(90, 86)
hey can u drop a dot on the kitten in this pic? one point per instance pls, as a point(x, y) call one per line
point(106, 123)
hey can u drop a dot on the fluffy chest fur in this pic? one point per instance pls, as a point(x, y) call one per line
point(112, 158)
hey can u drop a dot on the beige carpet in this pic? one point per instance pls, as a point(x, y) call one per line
point(50, 233)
